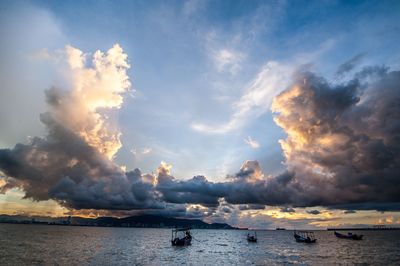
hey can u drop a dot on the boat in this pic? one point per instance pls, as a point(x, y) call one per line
point(252, 238)
point(181, 237)
point(304, 236)
point(280, 228)
point(348, 236)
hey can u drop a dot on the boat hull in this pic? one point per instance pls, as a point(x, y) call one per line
point(348, 236)
point(301, 239)
point(181, 242)
point(252, 239)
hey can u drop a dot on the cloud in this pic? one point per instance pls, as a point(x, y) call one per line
point(343, 139)
point(252, 143)
point(146, 150)
point(256, 100)
point(314, 212)
point(72, 163)
point(287, 209)
point(142, 151)
point(26, 29)
point(349, 65)
point(228, 60)
point(341, 151)
point(251, 207)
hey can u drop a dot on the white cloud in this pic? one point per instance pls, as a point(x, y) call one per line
point(252, 143)
point(142, 151)
point(256, 100)
point(228, 60)
point(272, 79)
point(146, 150)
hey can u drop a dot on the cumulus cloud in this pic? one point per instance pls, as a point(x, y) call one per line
point(341, 151)
point(343, 140)
point(72, 163)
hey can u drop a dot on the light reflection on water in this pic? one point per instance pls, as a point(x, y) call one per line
point(68, 245)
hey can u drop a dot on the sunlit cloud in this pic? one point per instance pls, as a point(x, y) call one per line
point(300, 97)
point(94, 87)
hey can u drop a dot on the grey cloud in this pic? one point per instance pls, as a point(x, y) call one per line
point(350, 153)
point(343, 140)
point(287, 209)
point(251, 207)
point(349, 65)
point(64, 167)
point(314, 212)
point(342, 151)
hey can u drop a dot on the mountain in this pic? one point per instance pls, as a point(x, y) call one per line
point(154, 221)
point(144, 221)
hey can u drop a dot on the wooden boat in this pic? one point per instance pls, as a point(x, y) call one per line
point(181, 237)
point(304, 236)
point(252, 238)
point(348, 236)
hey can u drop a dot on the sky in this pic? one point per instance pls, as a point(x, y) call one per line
point(256, 113)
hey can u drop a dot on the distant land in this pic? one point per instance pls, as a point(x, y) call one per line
point(375, 227)
point(142, 221)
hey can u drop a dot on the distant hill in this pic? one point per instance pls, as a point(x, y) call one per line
point(144, 221)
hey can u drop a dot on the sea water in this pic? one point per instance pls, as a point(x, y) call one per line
point(24, 244)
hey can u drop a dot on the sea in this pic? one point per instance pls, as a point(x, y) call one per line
point(27, 244)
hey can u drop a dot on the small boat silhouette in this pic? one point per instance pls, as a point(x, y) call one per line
point(184, 240)
point(348, 236)
point(252, 238)
point(304, 236)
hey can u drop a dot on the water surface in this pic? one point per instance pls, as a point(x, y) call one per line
point(70, 245)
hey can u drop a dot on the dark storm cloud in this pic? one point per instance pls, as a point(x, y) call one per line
point(378, 206)
point(64, 167)
point(314, 212)
point(287, 209)
point(251, 207)
point(197, 190)
point(342, 151)
point(343, 140)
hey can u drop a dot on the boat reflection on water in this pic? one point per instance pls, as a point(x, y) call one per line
point(181, 237)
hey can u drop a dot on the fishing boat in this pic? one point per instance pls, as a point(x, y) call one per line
point(252, 238)
point(348, 236)
point(181, 237)
point(304, 236)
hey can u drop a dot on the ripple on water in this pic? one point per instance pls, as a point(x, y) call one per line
point(61, 245)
